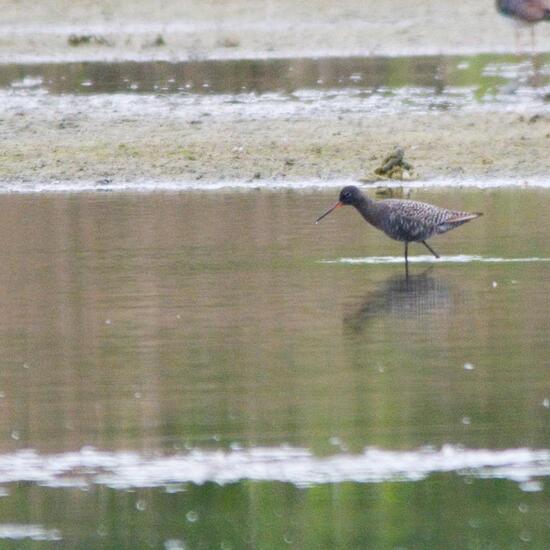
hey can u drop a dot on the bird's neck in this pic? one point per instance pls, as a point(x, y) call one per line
point(503, 6)
point(368, 209)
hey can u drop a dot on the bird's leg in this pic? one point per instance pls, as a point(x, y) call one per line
point(406, 259)
point(430, 249)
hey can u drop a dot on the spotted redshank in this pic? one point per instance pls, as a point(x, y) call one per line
point(401, 219)
point(525, 12)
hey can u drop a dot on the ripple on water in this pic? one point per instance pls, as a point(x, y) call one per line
point(459, 258)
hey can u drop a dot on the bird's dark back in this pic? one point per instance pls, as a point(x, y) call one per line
point(529, 11)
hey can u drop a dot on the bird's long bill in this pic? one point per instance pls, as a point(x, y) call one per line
point(325, 214)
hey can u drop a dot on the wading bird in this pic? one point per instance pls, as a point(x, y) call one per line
point(526, 12)
point(401, 219)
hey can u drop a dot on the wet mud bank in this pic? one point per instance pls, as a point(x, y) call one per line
point(206, 149)
point(283, 109)
point(484, 117)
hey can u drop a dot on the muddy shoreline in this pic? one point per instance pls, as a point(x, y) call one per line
point(348, 147)
point(212, 29)
point(89, 142)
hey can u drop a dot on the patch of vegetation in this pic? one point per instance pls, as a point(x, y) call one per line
point(187, 154)
point(229, 42)
point(75, 40)
point(159, 41)
point(395, 167)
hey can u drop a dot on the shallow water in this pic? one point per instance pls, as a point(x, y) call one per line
point(213, 369)
point(266, 123)
point(206, 77)
point(372, 86)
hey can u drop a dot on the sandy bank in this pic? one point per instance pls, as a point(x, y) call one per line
point(121, 29)
point(208, 148)
point(73, 141)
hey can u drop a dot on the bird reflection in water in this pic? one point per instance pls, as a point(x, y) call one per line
point(411, 296)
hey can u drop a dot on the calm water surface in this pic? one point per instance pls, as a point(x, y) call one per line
point(279, 88)
point(206, 370)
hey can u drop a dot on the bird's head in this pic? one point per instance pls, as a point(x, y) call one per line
point(348, 195)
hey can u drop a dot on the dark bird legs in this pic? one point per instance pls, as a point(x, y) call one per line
point(430, 249)
point(525, 12)
point(407, 254)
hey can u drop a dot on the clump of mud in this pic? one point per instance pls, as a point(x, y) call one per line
point(395, 167)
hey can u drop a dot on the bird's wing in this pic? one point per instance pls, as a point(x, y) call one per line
point(414, 218)
point(403, 227)
point(422, 211)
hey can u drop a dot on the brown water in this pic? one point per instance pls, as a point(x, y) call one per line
point(485, 73)
point(178, 326)
point(369, 85)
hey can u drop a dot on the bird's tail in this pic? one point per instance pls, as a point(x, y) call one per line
point(461, 218)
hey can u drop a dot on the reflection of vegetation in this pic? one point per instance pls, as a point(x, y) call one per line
point(440, 512)
point(437, 73)
point(223, 328)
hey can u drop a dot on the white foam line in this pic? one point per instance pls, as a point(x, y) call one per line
point(152, 186)
point(292, 465)
point(20, 531)
point(163, 186)
point(461, 258)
